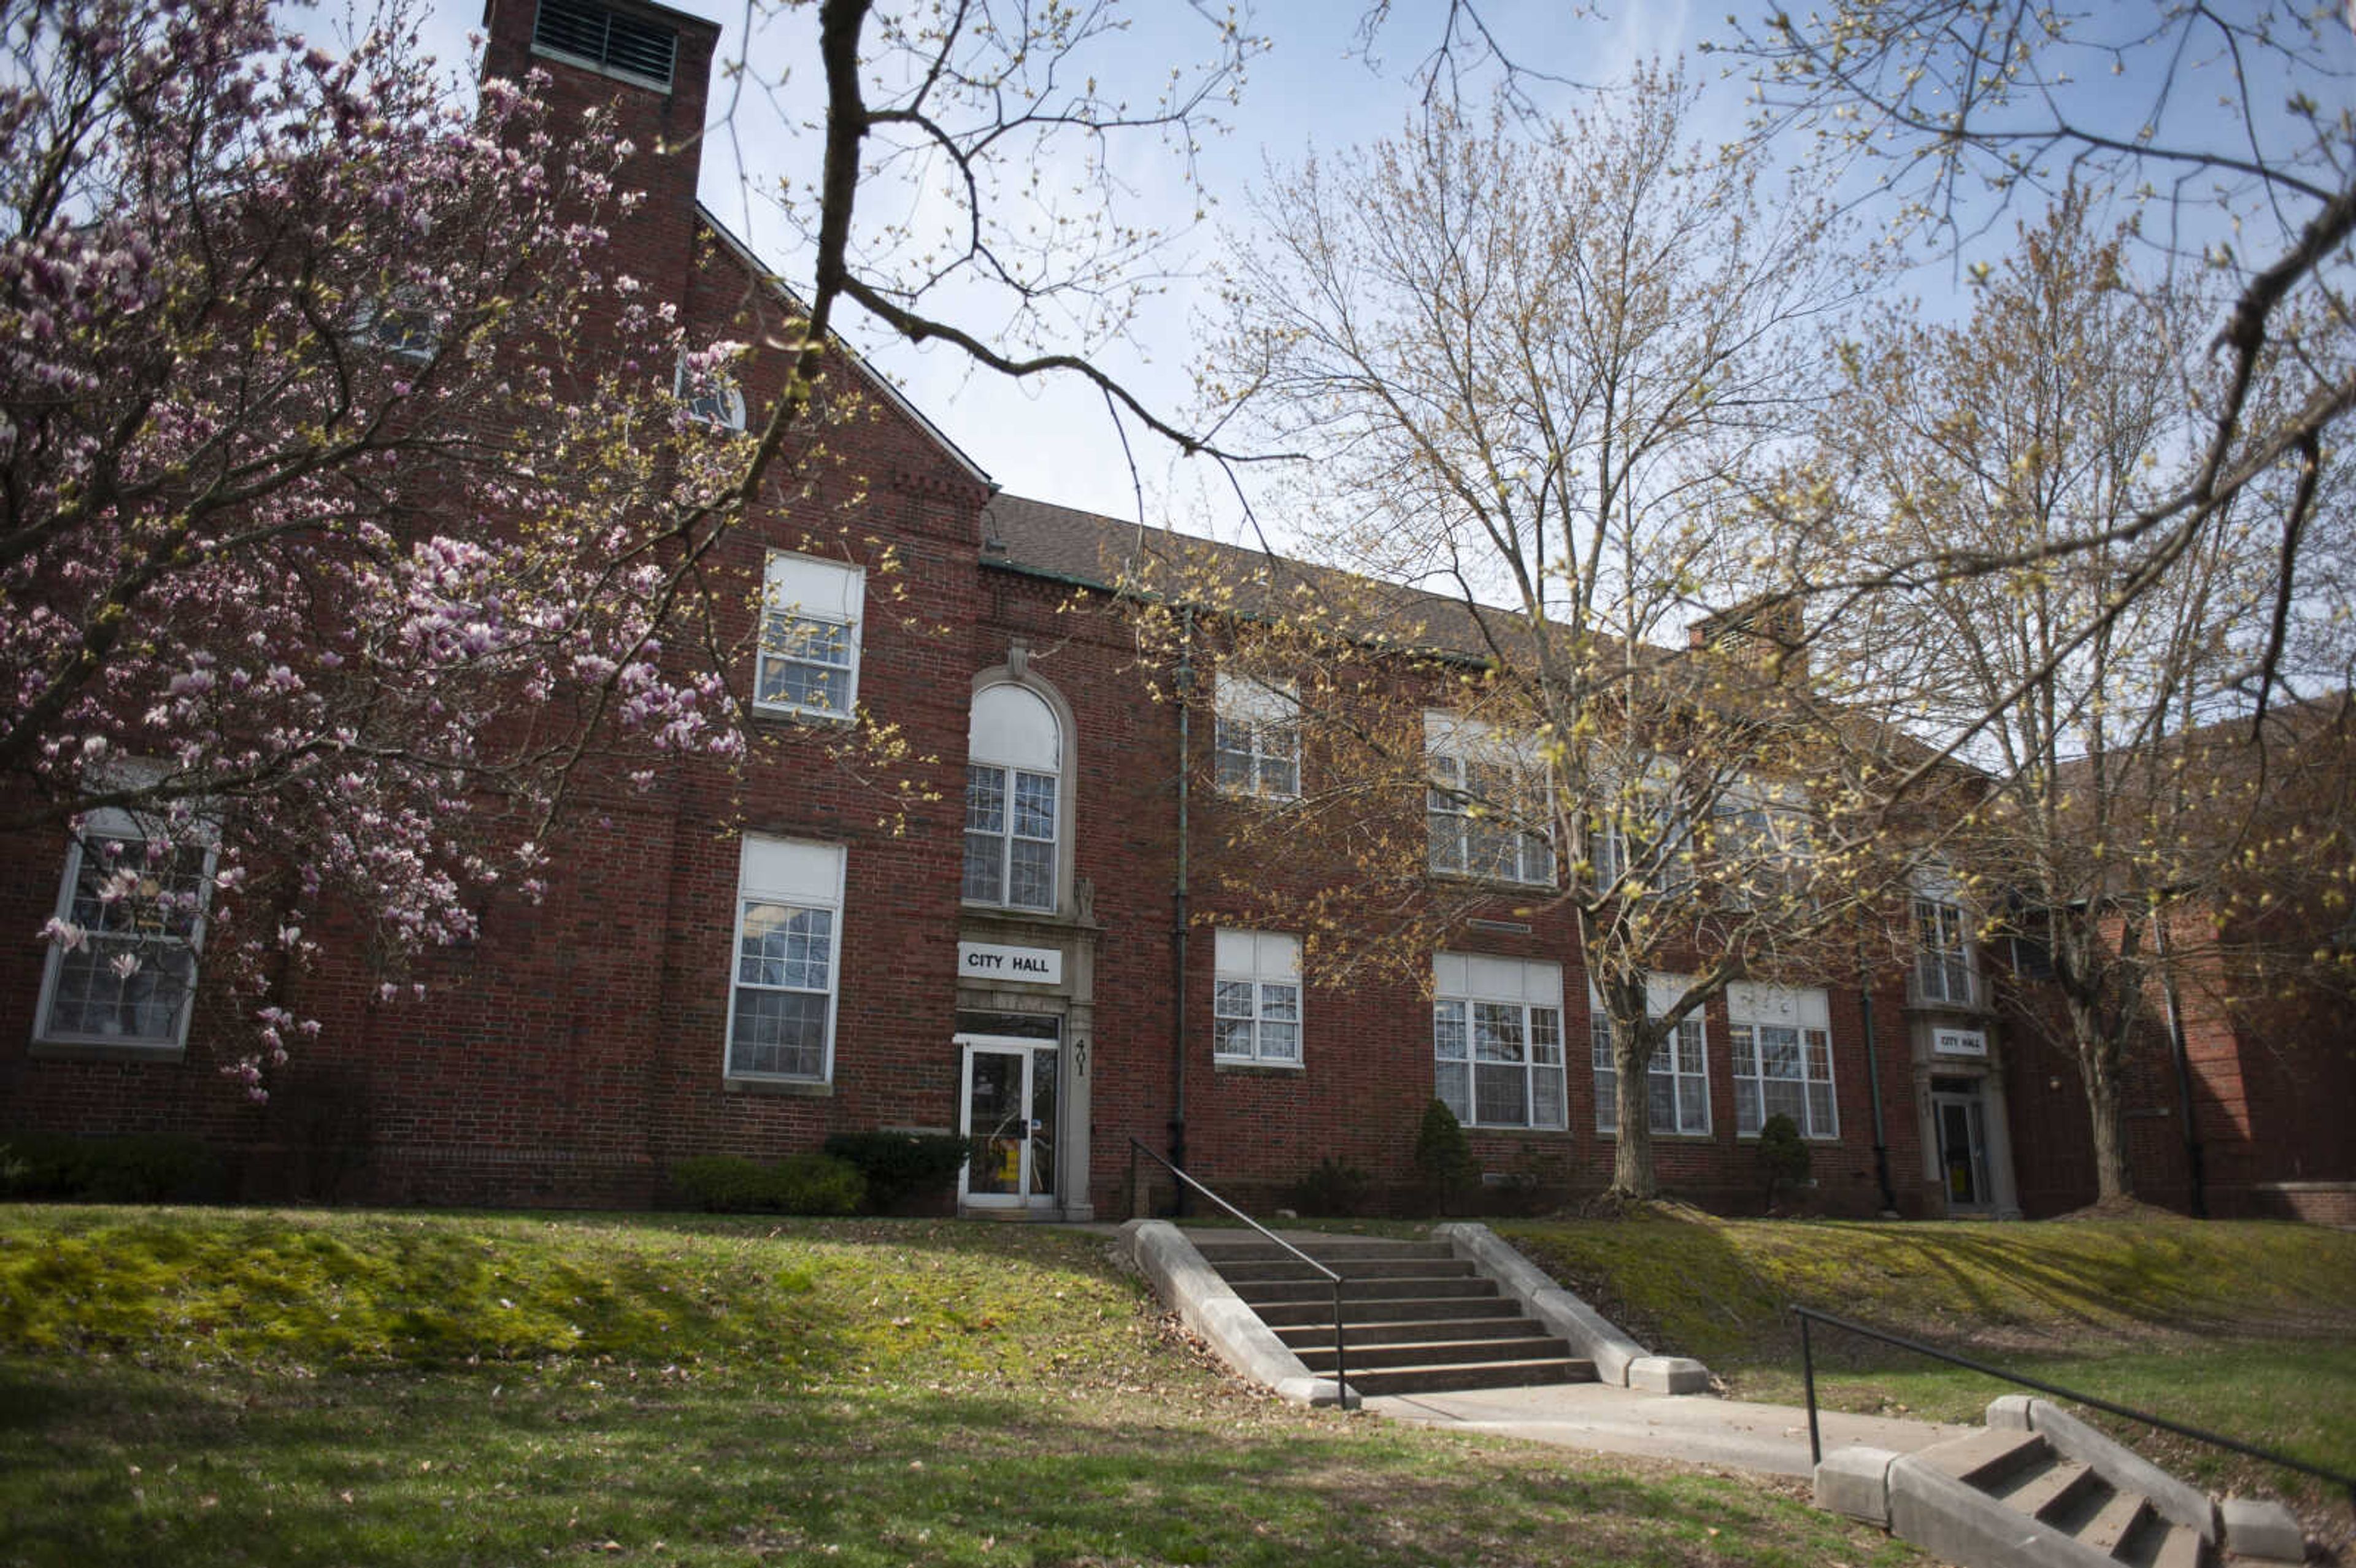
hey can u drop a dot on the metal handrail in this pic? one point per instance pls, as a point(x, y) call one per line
point(1807, 1315)
point(1341, 1359)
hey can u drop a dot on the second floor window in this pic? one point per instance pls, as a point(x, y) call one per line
point(1257, 737)
point(1485, 808)
point(809, 660)
point(1014, 800)
point(1943, 966)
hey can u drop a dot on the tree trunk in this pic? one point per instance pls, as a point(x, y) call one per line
point(2110, 1179)
point(1633, 1044)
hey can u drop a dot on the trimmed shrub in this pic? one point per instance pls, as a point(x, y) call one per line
point(139, 1168)
point(800, 1184)
point(912, 1169)
point(817, 1184)
point(1782, 1154)
point(1331, 1187)
point(1443, 1157)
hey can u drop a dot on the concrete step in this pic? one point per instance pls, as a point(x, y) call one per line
point(1280, 1314)
point(2048, 1489)
point(1984, 1457)
point(1218, 1247)
point(1435, 1352)
point(2159, 1544)
point(2118, 1518)
point(1257, 1293)
point(1236, 1272)
point(1400, 1331)
point(1456, 1375)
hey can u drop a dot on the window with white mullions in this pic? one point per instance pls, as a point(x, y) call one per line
point(1013, 804)
point(1255, 736)
point(1496, 1042)
point(135, 909)
point(808, 661)
point(1256, 997)
point(1943, 971)
point(782, 989)
point(1677, 1084)
point(1781, 1040)
point(1476, 813)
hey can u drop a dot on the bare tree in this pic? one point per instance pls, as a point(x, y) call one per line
point(2227, 130)
point(2114, 830)
point(1535, 372)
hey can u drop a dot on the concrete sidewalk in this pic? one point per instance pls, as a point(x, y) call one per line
point(1696, 1428)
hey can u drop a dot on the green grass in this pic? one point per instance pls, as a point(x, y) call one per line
point(198, 1387)
point(2244, 1329)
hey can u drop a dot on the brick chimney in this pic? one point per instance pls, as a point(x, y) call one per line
point(653, 66)
point(1770, 636)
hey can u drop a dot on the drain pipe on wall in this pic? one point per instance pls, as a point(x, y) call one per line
point(1873, 1086)
point(1178, 905)
point(2194, 1175)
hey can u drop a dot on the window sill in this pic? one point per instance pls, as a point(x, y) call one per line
point(103, 1050)
point(1249, 1067)
point(1824, 1139)
point(1495, 1127)
point(1671, 1137)
point(791, 1088)
point(781, 714)
point(1479, 882)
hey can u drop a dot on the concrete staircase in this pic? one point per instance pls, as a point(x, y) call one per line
point(1416, 1317)
point(2023, 1472)
point(2038, 1487)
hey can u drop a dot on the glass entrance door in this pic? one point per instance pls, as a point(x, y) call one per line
point(1010, 1100)
point(1962, 1146)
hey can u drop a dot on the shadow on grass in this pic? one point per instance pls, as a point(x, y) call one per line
point(109, 1463)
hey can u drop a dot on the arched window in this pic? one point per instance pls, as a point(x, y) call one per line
point(1014, 803)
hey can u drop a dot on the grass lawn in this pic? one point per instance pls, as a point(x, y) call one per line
point(2244, 1328)
point(214, 1387)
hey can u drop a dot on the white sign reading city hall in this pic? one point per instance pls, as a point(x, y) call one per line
point(988, 961)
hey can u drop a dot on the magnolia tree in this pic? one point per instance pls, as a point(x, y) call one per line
point(1536, 372)
point(2127, 818)
point(326, 567)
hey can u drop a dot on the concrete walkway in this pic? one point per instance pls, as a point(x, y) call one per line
point(1695, 1428)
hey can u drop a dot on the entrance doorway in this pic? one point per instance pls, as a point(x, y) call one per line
point(1008, 1092)
point(1955, 1104)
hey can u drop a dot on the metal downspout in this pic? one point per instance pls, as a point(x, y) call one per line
point(1873, 1087)
point(1178, 904)
point(2193, 1157)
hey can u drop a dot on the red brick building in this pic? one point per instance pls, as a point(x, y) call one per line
point(748, 966)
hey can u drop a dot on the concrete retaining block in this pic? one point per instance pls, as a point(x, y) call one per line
point(1668, 1374)
point(2258, 1528)
point(1590, 1334)
point(1856, 1482)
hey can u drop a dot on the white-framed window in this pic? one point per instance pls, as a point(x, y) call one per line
point(809, 636)
point(1484, 808)
point(1496, 1041)
point(400, 323)
point(1959, 1041)
point(1013, 809)
point(1759, 844)
point(1642, 833)
point(135, 912)
point(782, 988)
point(1781, 1042)
point(1943, 955)
point(1255, 736)
point(1256, 997)
point(713, 397)
point(1676, 1085)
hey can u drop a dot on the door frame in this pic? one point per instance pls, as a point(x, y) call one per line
point(969, 1046)
point(1973, 1105)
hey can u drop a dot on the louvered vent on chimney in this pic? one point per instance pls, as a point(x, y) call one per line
point(631, 47)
